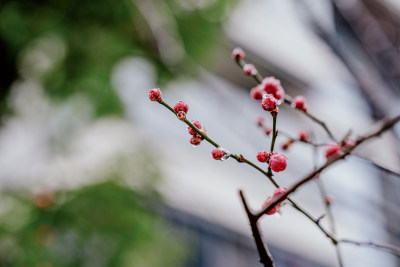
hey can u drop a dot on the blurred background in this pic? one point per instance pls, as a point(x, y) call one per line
point(94, 174)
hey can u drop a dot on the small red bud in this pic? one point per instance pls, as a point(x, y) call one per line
point(278, 162)
point(270, 85)
point(267, 202)
point(279, 191)
point(198, 126)
point(329, 200)
point(238, 53)
point(260, 121)
point(249, 69)
point(155, 95)
point(267, 130)
point(332, 150)
point(196, 140)
point(287, 144)
point(263, 156)
point(218, 153)
point(181, 109)
point(256, 93)
point(299, 102)
point(303, 135)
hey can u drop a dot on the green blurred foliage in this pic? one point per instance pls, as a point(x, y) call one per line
point(100, 225)
point(96, 35)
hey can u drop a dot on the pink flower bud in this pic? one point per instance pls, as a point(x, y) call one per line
point(279, 191)
point(278, 162)
point(196, 140)
point(263, 156)
point(270, 85)
point(267, 130)
point(181, 109)
point(249, 69)
point(299, 102)
point(267, 202)
point(198, 126)
point(218, 153)
point(155, 95)
point(332, 150)
point(238, 53)
point(280, 94)
point(329, 200)
point(287, 144)
point(269, 103)
point(260, 121)
point(256, 93)
point(303, 135)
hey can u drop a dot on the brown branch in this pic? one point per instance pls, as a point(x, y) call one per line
point(265, 256)
point(385, 126)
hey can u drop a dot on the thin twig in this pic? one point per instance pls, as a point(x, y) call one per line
point(375, 164)
point(265, 256)
point(392, 249)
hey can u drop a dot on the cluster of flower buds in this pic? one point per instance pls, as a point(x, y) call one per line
point(270, 93)
point(299, 102)
point(277, 193)
point(277, 161)
point(197, 138)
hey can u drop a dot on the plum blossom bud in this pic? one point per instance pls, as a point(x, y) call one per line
point(198, 126)
point(218, 153)
point(260, 121)
point(155, 95)
point(181, 109)
point(329, 200)
point(269, 103)
point(303, 135)
point(299, 102)
point(267, 202)
point(238, 53)
point(249, 69)
point(196, 140)
point(332, 149)
point(271, 85)
point(263, 156)
point(256, 93)
point(279, 94)
point(267, 130)
point(278, 162)
point(287, 144)
point(279, 191)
